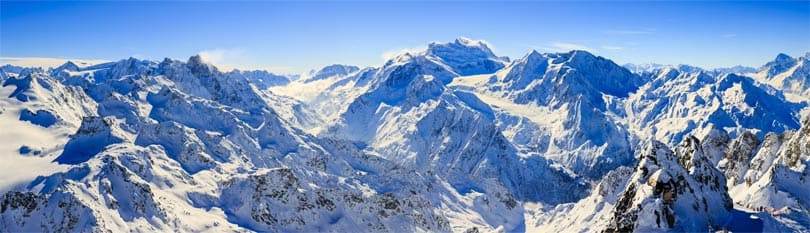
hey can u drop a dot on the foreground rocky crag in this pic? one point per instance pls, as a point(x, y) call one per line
point(681, 191)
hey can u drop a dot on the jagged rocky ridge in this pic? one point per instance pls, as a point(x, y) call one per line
point(453, 138)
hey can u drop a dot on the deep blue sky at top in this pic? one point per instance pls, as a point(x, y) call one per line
point(296, 36)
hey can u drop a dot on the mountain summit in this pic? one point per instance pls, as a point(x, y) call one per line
point(466, 56)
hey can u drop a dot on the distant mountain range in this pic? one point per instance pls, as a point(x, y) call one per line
point(449, 139)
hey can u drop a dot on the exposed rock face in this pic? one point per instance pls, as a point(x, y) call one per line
point(180, 142)
point(93, 136)
point(276, 200)
point(738, 156)
point(776, 179)
point(715, 144)
point(680, 191)
point(56, 212)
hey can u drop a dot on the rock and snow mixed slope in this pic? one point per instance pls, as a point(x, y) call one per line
point(756, 187)
point(576, 96)
point(791, 75)
point(674, 104)
point(773, 177)
point(452, 138)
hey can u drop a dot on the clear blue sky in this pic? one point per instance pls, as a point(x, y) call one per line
point(297, 36)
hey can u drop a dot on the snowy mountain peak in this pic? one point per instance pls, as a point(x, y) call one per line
point(782, 63)
point(791, 75)
point(581, 70)
point(262, 79)
point(738, 69)
point(668, 73)
point(580, 55)
point(781, 57)
point(533, 58)
point(461, 43)
point(470, 42)
point(330, 71)
point(195, 59)
point(534, 54)
point(68, 66)
point(653, 68)
point(466, 56)
point(199, 66)
point(598, 73)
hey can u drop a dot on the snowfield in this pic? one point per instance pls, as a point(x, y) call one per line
point(452, 138)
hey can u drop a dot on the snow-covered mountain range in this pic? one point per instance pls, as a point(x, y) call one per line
point(449, 139)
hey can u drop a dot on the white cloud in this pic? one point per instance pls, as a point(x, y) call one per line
point(273, 69)
point(229, 59)
point(480, 42)
point(390, 54)
point(610, 47)
point(46, 62)
point(630, 32)
point(221, 56)
point(489, 45)
point(563, 47)
point(138, 56)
